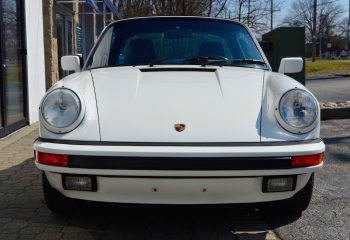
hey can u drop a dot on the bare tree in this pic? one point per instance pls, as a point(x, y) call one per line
point(342, 27)
point(301, 15)
point(138, 8)
point(11, 28)
point(135, 8)
point(254, 13)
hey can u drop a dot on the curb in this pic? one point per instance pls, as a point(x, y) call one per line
point(326, 77)
point(335, 110)
point(335, 113)
point(343, 75)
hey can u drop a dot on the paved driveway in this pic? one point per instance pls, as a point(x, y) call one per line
point(23, 213)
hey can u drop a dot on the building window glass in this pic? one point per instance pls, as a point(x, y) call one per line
point(12, 81)
point(60, 41)
point(64, 33)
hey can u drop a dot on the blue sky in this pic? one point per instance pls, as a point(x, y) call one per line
point(284, 9)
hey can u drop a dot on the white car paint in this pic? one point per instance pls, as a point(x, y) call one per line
point(182, 151)
point(290, 65)
point(178, 190)
point(121, 94)
point(89, 127)
point(276, 84)
point(137, 106)
point(70, 63)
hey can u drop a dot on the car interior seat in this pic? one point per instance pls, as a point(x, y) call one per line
point(140, 51)
point(211, 49)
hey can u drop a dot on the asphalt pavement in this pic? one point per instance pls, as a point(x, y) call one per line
point(328, 216)
point(330, 89)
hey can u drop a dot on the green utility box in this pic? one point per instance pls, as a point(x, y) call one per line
point(285, 42)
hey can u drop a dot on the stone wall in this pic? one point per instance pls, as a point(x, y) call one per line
point(75, 21)
point(50, 44)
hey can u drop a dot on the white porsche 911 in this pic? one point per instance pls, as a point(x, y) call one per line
point(178, 110)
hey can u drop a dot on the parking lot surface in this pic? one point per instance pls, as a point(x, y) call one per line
point(328, 216)
point(330, 89)
point(24, 215)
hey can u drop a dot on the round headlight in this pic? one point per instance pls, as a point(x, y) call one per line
point(297, 111)
point(61, 110)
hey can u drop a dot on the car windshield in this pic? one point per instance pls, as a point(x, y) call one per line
point(176, 41)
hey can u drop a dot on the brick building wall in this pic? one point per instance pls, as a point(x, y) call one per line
point(50, 44)
point(50, 37)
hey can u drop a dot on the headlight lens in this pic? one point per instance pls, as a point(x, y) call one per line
point(61, 108)
point(298, 109)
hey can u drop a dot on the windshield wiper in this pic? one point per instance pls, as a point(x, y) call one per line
point(151, 64)
point(206, 59)
point(254, 61)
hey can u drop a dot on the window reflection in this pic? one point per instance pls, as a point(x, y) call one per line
point(1, 125)
point(64, 34)
point(70, 37)
point(60, 41)
point(12, 29)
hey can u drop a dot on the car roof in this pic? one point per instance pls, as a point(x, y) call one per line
point(177, 17)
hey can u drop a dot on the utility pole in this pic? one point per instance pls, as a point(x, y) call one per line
point(321, 35)
point(249, 11)
point(272, 15)
point(314, 33)
point(104, 15)
point(348, 32)
point(95, 26)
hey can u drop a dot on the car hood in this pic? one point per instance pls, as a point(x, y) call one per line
point(215, 104)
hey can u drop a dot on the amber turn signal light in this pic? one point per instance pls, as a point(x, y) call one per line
point(307, 161)
point(52, 159)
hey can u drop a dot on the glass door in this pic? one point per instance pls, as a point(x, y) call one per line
point(13, 72)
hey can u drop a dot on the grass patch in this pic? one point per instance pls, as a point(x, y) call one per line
point(323, 66)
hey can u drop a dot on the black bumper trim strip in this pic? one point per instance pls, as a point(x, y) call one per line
point(181, 144)
point(178, 163)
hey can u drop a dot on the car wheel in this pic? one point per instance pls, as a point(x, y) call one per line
point(296, 204)
point(57, 202)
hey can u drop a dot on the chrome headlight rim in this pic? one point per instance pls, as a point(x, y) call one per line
point(74, 124)
point(288, 127)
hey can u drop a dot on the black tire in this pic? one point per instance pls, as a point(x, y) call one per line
point(58, 203)
point(296, 204)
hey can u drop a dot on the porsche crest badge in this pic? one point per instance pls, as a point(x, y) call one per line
point(179, 127)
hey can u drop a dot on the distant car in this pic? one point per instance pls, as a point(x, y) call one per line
point(343, 54)
point(178, 110)
point(334, 56)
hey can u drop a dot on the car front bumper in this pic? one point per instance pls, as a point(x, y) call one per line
point(180, 185)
